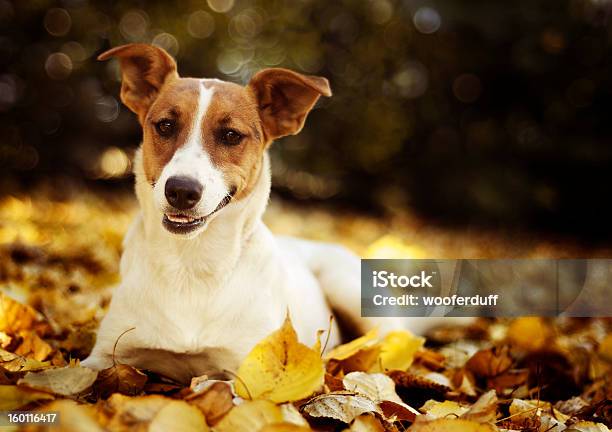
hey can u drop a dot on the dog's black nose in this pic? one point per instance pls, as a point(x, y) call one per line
point(183, 193)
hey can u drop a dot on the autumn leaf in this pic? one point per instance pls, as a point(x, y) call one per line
point(66, 381)
point(345, 351)
point(16, 363)
point(366, 423)
point(436, 409)
point(379, 388)
point(214, 402)
point(280, 368)
point(120, 378)
point(180, 416)
point(343, 406)
point(490, 362)
point(74, 417)
point(484, 410)
point(15, 316)
point(14, 397)
point(450, 425)
point(530, 333)
point(398, 350)
point(251, 416)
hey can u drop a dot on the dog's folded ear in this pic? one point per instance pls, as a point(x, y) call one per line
point(144, 69)
point(285, 98)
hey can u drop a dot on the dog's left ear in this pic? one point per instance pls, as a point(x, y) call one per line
point(285, 98)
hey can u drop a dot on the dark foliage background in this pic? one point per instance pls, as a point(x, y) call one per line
point(469, 113)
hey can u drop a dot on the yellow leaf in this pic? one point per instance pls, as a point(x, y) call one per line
point(397, 351)
point(15, 316)
point(530, 333)
point(16, 363)
point(342, 352)
point(73, 416)
point(450, 425)
point(180, 416)
point(605, 348)
point(13, 397)
point(251, 416)
point(443, 409)
point(280, 368)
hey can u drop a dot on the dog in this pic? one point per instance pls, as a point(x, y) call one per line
point(202, 278)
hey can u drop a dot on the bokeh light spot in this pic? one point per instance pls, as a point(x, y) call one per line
point(230, 61)
point(381, 11)
point(57, 22)
point(167, 42)
point(411, 80)
point(427, 20)
point(200, 24)
point(133, 25)
point(221, 6)
point(106, 109)
point(114, 162)
point(58, 66)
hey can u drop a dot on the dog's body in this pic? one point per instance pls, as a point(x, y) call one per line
point(203, 279)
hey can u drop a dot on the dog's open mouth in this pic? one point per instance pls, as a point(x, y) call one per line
point(184, 223)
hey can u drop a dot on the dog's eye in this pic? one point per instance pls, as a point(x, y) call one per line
point(231, 137)
point(165, 127)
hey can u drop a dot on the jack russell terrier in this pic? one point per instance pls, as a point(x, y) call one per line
point(203, 279)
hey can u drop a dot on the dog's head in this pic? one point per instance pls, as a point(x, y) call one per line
point(204, 139)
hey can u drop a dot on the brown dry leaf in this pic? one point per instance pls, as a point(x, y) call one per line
point(490, 362)
point(15, 316)
point(530, 333)
point(409, 380)
point(509, 381)
point(280, 368)
point(432, 360)
point(484, 410)
point(16, 363)
point(397, 351)
point(366, 423)
point(66, 381)
point(342, 352)
point(463, 381)
point(363, 360)
point(394, 411)
point(180, 416)
point(120, 378)
point(450, 425)
point(523, 413)
point(14, 397)
point(333, 383)
point(214, 402)
point(250, 416)
point(343, 406)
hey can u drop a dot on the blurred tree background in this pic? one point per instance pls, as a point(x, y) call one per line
point(472, 113)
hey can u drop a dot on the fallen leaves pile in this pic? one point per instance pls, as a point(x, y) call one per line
point(58, 261)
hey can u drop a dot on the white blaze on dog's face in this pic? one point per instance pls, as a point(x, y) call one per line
point(204, 139)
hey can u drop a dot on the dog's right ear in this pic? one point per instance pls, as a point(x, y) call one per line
point(144, 69)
